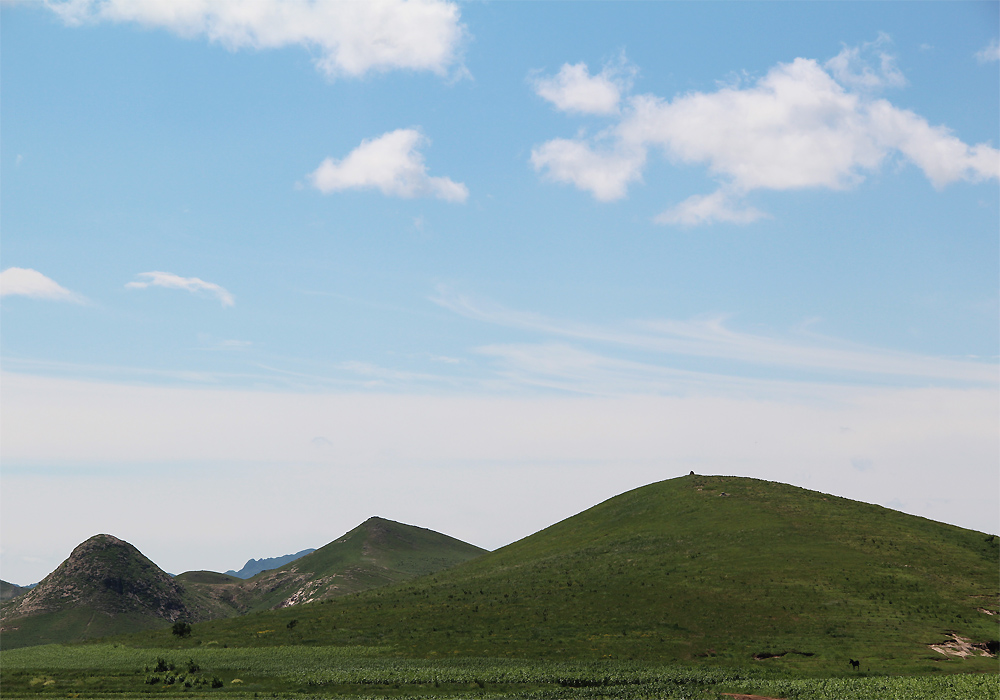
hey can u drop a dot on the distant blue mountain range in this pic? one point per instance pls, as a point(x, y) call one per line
point(255, 566)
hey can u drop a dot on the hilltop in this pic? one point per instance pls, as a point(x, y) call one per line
point(709, 569)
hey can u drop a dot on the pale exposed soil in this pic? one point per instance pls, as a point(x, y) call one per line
point(960, 647)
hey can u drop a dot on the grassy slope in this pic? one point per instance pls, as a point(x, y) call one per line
point(376, 553)
point(675, 571)
point(207, 577)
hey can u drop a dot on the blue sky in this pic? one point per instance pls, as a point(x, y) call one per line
point(479, 266)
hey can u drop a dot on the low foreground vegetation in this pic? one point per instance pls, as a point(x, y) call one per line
point(104, 670)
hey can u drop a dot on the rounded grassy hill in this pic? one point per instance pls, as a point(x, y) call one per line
point(720, 569)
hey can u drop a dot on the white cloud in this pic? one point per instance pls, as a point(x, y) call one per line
point(990, 53)
point(573, 89)
point(21, 281)
point(191, 284)
point(796, 127)
point(392, 164)
point(705, 209)
point(934, 149)
point(606, 175)
point(867, 67)
point(353, 38)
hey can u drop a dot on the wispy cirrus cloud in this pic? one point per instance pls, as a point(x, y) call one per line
point(392, 164)
point(802, 125)
point(25, 282)
point(352, 38)
point(194, 285)
point(699, 209)
point(869, 66)
point(707, 338)
point(990, 53)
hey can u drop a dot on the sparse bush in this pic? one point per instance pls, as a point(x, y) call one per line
point(182, 629)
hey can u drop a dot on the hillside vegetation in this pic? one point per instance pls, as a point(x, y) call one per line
point(717, 570)
point(108, 587)
point(376, 553)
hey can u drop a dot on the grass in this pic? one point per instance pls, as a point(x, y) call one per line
point(115, 670)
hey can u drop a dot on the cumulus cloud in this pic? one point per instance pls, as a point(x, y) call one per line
point(989, 54)
point(802, 125)
point(392, 164)
point(191, 284)
point(606, 175)
point(352, 38)
point(574, 89)
point(25, 282)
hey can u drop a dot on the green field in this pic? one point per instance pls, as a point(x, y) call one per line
point(114, 670)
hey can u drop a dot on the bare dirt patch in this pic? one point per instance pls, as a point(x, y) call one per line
point(961, 647)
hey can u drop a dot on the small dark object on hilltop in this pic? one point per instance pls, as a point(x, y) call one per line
point(691, 473)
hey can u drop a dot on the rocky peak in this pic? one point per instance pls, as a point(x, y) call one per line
point(110, 576)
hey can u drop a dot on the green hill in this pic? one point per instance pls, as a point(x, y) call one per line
point(9, 591)
point(376, 553)
point(720, 570)
point(205, 577)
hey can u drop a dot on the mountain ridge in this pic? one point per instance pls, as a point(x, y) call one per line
point(255, 566)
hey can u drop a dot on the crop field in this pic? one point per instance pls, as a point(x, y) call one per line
point(106, 670)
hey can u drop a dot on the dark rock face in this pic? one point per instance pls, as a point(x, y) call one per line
point(109, 576)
